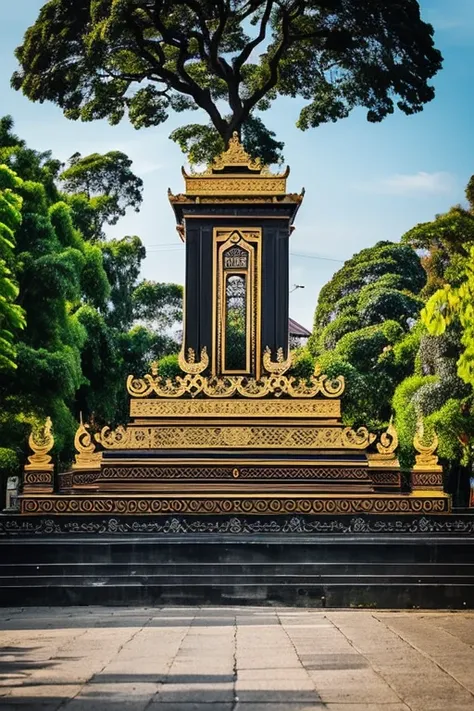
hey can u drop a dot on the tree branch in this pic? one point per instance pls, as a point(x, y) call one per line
point(273, 63)
point(246, 52)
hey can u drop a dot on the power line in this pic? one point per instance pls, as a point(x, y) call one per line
point(173, 247)
point(316, 256)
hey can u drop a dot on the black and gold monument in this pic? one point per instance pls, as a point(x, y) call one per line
point(235, 434)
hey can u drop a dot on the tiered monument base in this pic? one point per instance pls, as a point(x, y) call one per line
point(236, 482)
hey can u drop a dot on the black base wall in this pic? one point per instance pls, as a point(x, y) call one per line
point(359, 562)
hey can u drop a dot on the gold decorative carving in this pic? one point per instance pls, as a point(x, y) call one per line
point(381, 478)
point(225, 505)
point(36, 477)
point(190, 365)
point(243, 176)
point(235, 184)
point(239, 200)
point(236, 407)
point(388, 441)
point(426, 459)
point(426, 480)
point(229, 385)
point(248, 240)
point(357, 439)
point(86, 457)
point(258, 437)
point(41, 442)
point(199, 473)
point(236, 157)
point(119, 438)
point(386, 447)
point(281, 365)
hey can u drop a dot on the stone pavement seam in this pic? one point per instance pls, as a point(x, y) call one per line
point(65, 701)
point(295, 650)
point(234, 668)
point(381, 676)
point(424, 654)
point(156, 697)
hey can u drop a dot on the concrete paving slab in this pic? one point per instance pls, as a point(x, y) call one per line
point(235, 659)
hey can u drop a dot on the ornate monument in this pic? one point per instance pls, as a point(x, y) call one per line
point(235, 433)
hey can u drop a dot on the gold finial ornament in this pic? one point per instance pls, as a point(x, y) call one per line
point(426, 457)
point(388, 441)
point(41, 442)
point(234, 175)
point(87, 457)
point(279, 366)
point(235, 157)
point(386, 448)
point(190, 365)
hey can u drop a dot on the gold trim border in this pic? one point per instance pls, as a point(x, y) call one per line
point(301, 408)
point(271, 504)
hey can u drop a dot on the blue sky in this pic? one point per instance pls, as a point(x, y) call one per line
point(363, 182)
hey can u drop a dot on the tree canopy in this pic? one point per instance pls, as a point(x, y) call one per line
point(144, 58)
point(75, 318)
point(363, 327)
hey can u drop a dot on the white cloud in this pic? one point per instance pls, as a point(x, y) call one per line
point(411, 184)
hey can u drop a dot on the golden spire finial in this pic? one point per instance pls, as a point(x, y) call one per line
point(236, 156)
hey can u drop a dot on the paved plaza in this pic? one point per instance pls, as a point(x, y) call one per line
point(235, 659)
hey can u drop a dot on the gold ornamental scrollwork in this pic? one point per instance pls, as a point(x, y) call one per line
point(388, 441)
point(386, 448)
point(190, 365)
point(357, 439)
point(87, 457)
point(114, 439)
point(229, 385)
point(230, 436)
point(41, 442)
point(426, 457)
point(278, 367)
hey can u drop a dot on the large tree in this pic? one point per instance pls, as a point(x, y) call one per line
point(104, 58)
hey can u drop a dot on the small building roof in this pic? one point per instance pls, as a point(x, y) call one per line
point(296, 329)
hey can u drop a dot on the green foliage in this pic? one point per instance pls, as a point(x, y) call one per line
point(108, 59)
point(406, 414)
point(12, 317)
point(168, 367)
point(108, 183)
point(303, 364)
point(444, 244)
point(456, 304)
point(377, 277)
point(81, 295)
point(158, 304)
point(203, 143)
point(364, 328)
point(8, 461)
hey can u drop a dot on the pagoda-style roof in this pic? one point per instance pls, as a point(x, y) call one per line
point(235, 176)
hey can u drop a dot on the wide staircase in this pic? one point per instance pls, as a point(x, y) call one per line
point(431, 565)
